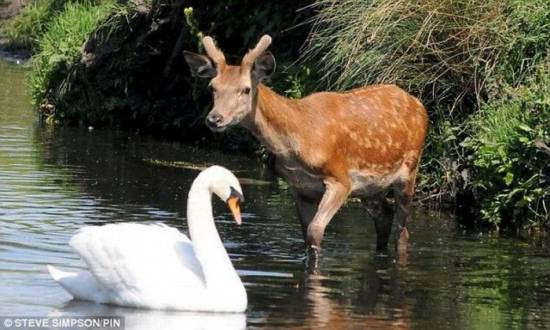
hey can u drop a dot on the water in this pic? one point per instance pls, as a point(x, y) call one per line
point(54, 181)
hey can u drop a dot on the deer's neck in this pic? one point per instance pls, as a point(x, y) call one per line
point(275, 121)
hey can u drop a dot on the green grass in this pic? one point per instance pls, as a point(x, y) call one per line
point(443, 50)
point(61, 43)
point(55, 31)
point(428, 46)
point(24, 30)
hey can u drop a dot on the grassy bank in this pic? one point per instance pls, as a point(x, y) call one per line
point(480, 67)
point(54, 32)
point(123, 66)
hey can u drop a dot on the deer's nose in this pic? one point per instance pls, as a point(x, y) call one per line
point(214, 119)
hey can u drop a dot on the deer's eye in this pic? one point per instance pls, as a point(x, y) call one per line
point(246, 90)
point(212, 89)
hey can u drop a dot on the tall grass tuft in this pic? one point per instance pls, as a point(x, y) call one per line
point(442, 50)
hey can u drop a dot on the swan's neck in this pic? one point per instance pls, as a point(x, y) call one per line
point(207, 244)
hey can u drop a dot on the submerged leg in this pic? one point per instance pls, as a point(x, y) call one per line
point(403, 192)
point(382, 214)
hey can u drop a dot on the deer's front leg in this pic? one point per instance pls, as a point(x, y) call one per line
point(335, 195)
point(306, 205)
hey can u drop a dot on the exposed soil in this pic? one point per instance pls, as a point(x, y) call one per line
point(9, 8)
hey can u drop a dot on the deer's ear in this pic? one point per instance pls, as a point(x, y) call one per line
point(200, 65)
point(264, 66)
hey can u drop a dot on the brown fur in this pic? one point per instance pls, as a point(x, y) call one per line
point(371, 128)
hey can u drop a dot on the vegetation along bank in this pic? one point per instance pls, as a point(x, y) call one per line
point(482, 69)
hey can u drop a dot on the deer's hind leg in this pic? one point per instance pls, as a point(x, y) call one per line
point(381, 211)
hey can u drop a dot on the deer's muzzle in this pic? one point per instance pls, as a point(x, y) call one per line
point(214, 121)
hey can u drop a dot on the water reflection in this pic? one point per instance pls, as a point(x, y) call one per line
point(138, 319)
point(54, 181)
point(378, 303)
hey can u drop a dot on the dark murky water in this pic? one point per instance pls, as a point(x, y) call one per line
point(54, 181)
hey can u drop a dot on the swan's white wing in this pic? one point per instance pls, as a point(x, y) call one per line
point(140, 265)
point(81, 285)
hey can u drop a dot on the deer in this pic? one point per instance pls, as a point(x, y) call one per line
point(328, 146)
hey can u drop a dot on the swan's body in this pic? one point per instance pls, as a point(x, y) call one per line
point(155, 266)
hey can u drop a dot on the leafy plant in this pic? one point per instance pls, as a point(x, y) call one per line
point(512, 157)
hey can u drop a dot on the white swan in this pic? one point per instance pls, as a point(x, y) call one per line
point(155, 266)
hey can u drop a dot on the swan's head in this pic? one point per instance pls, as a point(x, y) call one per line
point(224, 184)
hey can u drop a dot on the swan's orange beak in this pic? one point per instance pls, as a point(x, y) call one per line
point(234, 204)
